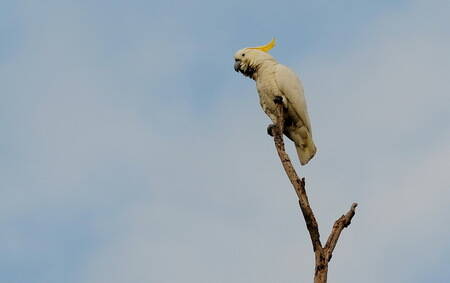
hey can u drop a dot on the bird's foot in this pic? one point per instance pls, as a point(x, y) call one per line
point(270, 129)
point(278, 100)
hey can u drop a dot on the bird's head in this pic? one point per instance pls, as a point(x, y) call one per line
point(249, 59)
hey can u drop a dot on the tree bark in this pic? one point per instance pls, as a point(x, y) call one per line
point(322, 254)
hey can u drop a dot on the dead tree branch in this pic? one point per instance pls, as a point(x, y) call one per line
point(322, 254)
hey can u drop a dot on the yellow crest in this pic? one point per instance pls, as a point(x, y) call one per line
point(266, 47)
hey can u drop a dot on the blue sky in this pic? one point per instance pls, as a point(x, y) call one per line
point(132, 151)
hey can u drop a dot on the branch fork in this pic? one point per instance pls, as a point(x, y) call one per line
point(323, 254)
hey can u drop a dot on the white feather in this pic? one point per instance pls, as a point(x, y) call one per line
point(291, 87)
point(273, 79)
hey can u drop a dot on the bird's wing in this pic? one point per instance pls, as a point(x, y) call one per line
point(292, 89)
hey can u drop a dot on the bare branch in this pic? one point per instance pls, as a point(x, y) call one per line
point(322, 254)
point(338, 226)
point(299, 184)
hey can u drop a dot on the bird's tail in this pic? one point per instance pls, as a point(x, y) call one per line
point(306, 150)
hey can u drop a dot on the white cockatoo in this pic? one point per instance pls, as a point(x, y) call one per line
point(274, 80)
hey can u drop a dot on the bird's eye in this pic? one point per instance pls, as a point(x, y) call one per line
point(243, 54)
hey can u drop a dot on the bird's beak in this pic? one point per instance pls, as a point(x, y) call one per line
point(237, 65)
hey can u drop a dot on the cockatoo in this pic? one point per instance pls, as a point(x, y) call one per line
point(275, 81)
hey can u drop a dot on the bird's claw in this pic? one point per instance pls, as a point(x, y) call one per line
point(270, 129)
point(278, 100)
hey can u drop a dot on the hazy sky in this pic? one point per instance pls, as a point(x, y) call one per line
point(132, 152)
